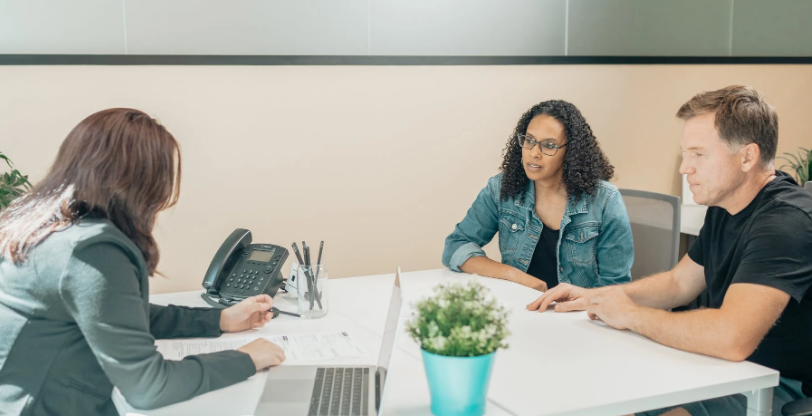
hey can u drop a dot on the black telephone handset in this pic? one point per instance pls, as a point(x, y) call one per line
point(240, 269)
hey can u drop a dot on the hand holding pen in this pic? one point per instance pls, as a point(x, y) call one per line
point(280, 311)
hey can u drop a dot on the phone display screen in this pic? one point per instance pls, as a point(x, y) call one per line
point(261, 256)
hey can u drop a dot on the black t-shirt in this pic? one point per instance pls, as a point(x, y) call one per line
point(768, 243)
point(544, 265)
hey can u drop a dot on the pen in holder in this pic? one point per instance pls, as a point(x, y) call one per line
point(312, 286)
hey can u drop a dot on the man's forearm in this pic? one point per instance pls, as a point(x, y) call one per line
point(703, 331)
point(659, 291)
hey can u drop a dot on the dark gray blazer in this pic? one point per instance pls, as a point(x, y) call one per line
point(75, 321)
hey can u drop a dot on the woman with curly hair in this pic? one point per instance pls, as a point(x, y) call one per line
point(558, 218)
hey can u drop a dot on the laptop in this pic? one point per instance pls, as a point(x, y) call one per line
point(333, 390)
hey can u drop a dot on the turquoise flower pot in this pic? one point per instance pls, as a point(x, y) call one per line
point(458, 385)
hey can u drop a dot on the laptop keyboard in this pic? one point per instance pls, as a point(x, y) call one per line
point(340, 392)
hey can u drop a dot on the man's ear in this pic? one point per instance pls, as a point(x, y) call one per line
point(750, 157)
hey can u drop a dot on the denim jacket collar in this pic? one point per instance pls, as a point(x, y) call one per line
point(528, 201)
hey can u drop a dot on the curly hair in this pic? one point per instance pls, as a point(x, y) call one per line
point(584, 162)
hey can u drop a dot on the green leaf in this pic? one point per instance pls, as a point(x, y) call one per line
point(795, 158)
point(800, 163)
point(809, 170)
point(460, 320)
point(13, 184)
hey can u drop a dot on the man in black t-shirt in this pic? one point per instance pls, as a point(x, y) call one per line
point(753, 255)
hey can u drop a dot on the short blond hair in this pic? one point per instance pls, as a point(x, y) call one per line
point(742, 117)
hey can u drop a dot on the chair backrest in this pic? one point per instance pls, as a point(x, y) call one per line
point(655, 221)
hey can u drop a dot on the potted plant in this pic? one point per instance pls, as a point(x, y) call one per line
point(12, 184)
point(801, 165)
point(459, 329)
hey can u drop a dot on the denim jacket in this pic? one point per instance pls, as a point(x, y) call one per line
point(594, 245)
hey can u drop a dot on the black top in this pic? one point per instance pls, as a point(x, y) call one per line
point(544, 265)
point(768, 243)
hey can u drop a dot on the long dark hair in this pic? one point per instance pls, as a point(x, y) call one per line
point(119, 164)
point(584, 162)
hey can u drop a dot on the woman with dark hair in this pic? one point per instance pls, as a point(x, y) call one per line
point(76, 254)
point(557, 217)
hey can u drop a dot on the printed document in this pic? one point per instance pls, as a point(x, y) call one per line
point(297, 347)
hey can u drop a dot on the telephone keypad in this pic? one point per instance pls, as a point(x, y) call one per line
point(250, 278)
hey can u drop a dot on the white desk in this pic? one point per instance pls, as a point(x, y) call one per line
point(357, 305)
point(692, 217)
point(557, 364)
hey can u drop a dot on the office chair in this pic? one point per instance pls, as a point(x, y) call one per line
point(802, 407)
point(655, 221)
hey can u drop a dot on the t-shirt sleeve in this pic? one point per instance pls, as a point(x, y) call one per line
point(778, 252)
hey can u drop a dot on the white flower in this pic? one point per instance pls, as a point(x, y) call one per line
point(460, 320)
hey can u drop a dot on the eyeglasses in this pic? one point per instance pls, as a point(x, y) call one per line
point(548, 148)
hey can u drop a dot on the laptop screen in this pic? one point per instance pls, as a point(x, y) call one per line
point(391, 327)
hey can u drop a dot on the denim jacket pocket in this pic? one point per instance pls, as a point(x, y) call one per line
point(581, 242)
point(511, 230)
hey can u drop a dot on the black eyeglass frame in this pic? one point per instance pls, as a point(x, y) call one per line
point(525, 139)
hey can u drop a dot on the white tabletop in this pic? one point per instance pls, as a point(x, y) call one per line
point(566, 364)
point(557, 364)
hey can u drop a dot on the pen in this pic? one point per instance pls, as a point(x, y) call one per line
point(306, 253)
point(277, 310)
point(318, 262)
point(302, 264)
point(296, 251)
point(311, 282)
point(314, 287)
point(274, 309)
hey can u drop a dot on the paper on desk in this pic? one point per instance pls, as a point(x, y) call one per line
point(298, 347)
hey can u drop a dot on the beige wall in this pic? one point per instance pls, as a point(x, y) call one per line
point(380, 162)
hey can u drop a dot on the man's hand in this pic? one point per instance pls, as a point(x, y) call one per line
point(249, 314)
point(614, 307)
point(569, 298)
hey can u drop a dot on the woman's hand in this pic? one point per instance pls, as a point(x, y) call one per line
point(264, 353)
point(249, 314)
point(533, 282)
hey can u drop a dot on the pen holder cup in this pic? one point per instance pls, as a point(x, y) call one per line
point(311, 282)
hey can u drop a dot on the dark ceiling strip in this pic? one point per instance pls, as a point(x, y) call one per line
point(387, 60)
